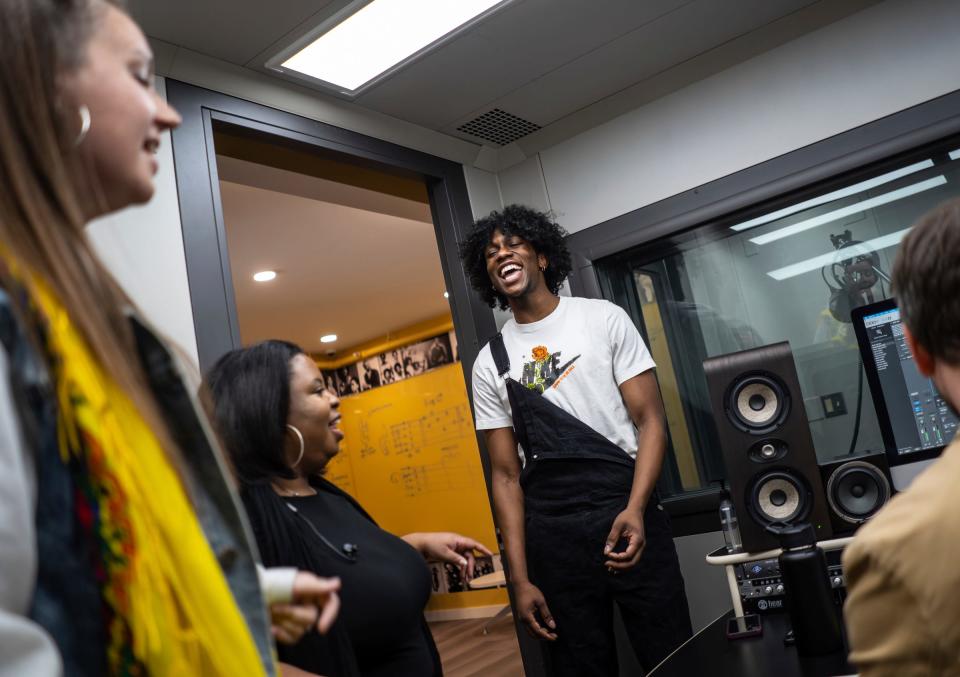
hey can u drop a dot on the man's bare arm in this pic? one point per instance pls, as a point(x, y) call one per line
point(508, 506)
point(642, 399)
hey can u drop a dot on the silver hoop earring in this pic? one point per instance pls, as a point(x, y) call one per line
point(299, 437)
point(84, 124)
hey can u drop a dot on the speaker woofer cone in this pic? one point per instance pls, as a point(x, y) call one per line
point(779, 497)
point(856, 491)
point(757, 404)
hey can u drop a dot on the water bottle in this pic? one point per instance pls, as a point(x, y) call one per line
point(729, 525)
point(813, 612)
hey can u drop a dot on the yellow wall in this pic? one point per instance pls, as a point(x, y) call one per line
point(410, 457)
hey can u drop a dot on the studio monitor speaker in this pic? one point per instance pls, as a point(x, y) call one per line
point(765, 440)
point(856, 488)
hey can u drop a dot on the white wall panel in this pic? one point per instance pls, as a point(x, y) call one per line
point(879, 61)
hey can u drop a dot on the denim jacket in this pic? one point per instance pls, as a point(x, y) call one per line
point(66, 592)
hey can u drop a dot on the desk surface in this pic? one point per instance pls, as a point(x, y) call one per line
point(494, 580)
point(709, 652)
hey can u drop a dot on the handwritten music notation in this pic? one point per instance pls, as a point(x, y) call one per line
point(447, 475)
point(409, 438)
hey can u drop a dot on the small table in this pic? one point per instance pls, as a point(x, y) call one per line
point(495, 580)
point(709, 652)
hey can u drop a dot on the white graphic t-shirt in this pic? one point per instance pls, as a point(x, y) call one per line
point(577, 356)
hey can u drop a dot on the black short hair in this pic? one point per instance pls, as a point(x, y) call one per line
point(538, 228)
point(926, 281)
point(249, 392)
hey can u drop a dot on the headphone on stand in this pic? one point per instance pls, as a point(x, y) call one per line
point(853, 276)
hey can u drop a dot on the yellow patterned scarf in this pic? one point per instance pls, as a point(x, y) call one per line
point(169, 610)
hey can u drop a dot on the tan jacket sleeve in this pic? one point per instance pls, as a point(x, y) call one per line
point(886, 632)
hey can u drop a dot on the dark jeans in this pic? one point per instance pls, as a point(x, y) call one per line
point(565, 556)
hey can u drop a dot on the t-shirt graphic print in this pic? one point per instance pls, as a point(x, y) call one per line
point(545, 370)
point(576, 357)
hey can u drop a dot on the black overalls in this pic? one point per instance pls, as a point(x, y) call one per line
point(575, 482)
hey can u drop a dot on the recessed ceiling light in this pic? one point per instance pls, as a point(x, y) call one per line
point(379, 37)
point(264, 275)
point(446, 294)
point(328, 338)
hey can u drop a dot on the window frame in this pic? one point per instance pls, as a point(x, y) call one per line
point(671, 224)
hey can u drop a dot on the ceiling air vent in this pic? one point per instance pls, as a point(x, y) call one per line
point(499, 127)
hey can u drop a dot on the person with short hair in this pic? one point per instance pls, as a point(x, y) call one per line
point(570, 410)
point(903, 606)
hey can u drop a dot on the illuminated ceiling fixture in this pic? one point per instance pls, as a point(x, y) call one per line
point(954, 154)
point(328, 338)
point(264, 275)
point(357, 46)
point(874, 245)
point(844, 212)
point(835, 195)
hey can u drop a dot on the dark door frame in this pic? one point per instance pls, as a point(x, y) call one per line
point(204, 236)
point(204, 240)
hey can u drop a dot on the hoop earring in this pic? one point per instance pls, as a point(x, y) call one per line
point(299, 437)
point(84, 124)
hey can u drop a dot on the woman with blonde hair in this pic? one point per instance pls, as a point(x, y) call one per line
point(123, 546)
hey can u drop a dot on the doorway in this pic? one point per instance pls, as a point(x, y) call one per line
point(362, 236)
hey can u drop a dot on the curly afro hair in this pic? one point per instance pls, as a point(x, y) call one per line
point(542, 232)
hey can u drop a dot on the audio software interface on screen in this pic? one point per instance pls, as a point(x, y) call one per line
point(919, 416)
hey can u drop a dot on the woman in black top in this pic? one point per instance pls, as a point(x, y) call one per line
point(280, 424)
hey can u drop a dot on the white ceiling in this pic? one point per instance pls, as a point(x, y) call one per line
point(332, 258)
point(541, 60)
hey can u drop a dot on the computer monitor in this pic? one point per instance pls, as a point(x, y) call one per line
point(915, 421)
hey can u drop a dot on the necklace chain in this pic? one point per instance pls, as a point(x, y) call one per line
point(289, 492)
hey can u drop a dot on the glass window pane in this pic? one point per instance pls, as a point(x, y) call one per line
point(791, 274)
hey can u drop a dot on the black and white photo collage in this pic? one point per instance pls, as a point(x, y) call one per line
point(393, 365)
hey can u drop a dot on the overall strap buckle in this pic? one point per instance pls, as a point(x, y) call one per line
point(499, 352)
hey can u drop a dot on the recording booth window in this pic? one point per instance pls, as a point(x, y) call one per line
point(788, 271)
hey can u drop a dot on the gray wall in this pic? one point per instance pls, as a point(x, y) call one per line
point(871, 64)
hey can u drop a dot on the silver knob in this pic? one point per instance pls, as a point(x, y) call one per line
point(768, 590)
point(779, 589)
point(837, 580)
point(768, 451)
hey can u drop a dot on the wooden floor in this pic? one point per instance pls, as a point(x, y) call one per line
point(466, 652)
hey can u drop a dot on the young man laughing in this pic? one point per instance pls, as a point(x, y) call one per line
point(569, 405)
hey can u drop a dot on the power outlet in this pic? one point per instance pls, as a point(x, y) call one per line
point(833, 405)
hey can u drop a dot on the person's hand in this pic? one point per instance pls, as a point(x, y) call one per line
point(449, 547)
point(627, 525)
point(531, 605)
point(315, 603)
point(290, 622)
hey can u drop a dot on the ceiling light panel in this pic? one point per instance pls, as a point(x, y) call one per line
point(378, 38)
point(850, 210)
point(835, 195)
point(874, 245)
